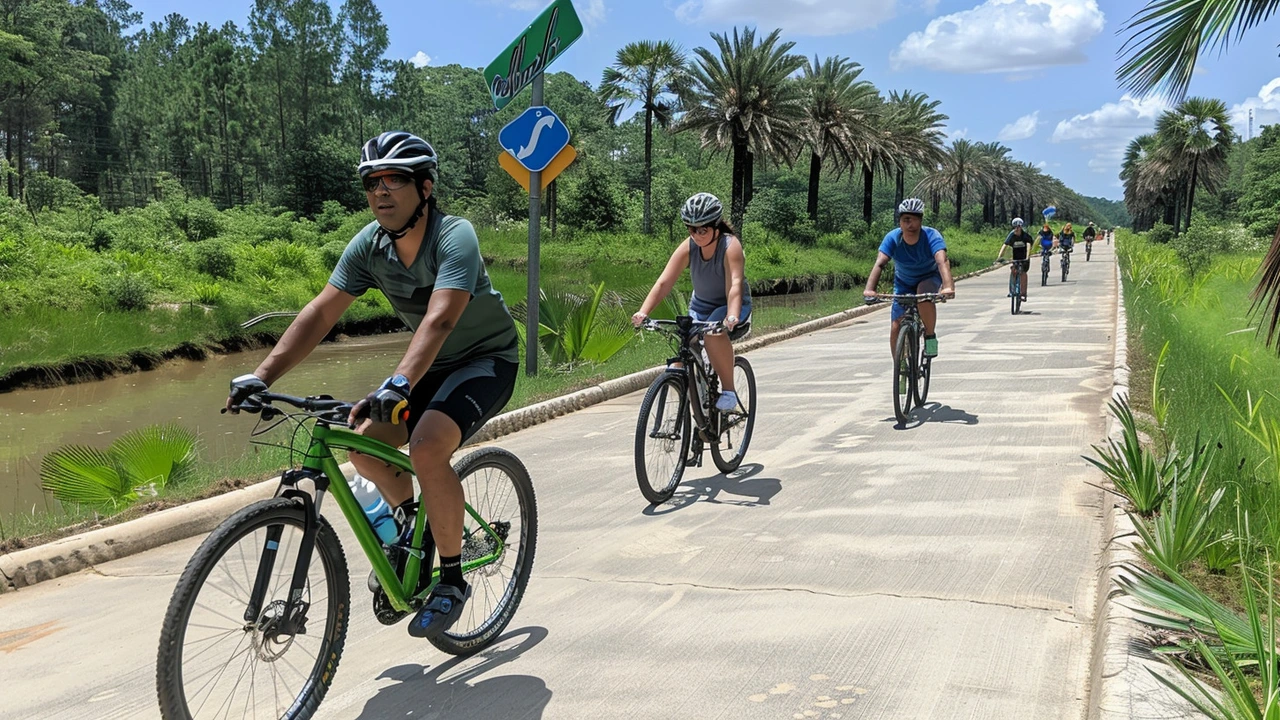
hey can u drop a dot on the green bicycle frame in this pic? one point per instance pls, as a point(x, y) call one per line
point(319, 458)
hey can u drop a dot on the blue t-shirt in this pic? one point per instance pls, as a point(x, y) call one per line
point(1046, 238)
point(913, 264)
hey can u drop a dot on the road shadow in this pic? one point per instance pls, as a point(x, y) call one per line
point(448, 690)
point(933, 412)
point(743, 483)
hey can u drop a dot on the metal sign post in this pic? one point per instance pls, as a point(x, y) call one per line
point(523, 63)
point(534, 294)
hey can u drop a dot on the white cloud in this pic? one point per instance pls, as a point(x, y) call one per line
point(1265, 106)
point(1004, 36)
point(955, 134)
point(1020, 129)
point(798, 17)
point(1106, 132)
point(1042, 164)
point(421, 59)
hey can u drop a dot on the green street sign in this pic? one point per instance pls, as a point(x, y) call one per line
point(536, 48)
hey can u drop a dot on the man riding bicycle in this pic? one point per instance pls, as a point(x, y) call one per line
point(1020, 241)
point(1090, 234)
point(920, 266)
point(461, 364)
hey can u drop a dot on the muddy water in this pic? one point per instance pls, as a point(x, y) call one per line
point(33, 422)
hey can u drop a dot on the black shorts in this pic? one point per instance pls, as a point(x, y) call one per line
point(469, 394)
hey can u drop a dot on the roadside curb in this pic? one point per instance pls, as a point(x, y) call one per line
point(77, 552)
point(1121, 681)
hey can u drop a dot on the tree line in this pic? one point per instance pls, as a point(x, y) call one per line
point(274, 112)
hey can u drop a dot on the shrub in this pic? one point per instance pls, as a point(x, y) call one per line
point(1160, 234)
point(198, 219)
point(214, 258)
point(127, 291)
point(331, 252)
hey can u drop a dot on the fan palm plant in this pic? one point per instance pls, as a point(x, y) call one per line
point(141, 462)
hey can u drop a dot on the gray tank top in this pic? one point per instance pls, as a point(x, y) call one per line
point(708, 275)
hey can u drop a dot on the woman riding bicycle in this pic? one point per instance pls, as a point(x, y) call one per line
point(716, 265)
point(920, 266)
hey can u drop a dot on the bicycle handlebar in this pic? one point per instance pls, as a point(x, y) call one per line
point(700, 327)
point(910, 297)
point(322, 406)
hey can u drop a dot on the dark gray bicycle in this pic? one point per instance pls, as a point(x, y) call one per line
point(680, 409)
point(911, 367)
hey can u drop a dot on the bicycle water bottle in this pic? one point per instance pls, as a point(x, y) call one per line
point(375, 508)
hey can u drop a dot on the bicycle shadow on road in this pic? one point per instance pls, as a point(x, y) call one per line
point(934, 412)
point(447, 690)
point(743, 482)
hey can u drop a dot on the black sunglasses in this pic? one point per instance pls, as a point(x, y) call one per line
point(390, 182)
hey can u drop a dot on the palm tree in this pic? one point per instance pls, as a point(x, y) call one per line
point(744, 100)
point(1197, 133)
point(1167, 36)
point(962, 167)
point(835, 116)
point(995, 158)
point(916, 129)
point(651, 73)
point(1144, 174)
point(878, 152)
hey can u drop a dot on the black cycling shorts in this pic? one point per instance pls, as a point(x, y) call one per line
point(470, 394)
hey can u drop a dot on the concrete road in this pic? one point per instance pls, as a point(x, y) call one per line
point(850, 569)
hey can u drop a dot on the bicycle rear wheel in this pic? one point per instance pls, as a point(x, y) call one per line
point(662, 437)
point(1066, 267)
point(496, 485)
point(1044, 272)
point(213, 662)
point(1088, 252)
point(736, 425)
point(903, 375)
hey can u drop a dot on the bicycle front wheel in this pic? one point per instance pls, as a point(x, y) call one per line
point(213, 661)
point(922, 378)
point(1065, 267)
point(1044, 273)
point(736, 425)
point(497, 487)
point(903, 370)
point(662, 437)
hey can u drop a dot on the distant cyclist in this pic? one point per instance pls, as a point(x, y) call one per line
point(1090, 234)
point(1020, 240)
point(1047, 240)
point(920, 266)
point(1066, 238)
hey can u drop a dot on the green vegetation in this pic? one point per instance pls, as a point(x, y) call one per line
point(139, 463)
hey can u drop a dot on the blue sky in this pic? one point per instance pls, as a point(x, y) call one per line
point(1038, 75)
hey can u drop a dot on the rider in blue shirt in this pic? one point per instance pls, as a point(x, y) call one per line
point(1046, 238)
point(920, 266)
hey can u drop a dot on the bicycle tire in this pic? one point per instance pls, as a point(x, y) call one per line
point(923, 370)
point(509, 594)
point(1044, 274)
point(1015, 294)
point(663, 388)
point(1066, 267)
point(729, 463)
point(902, 371)
point(170, 670)
point(1088, 253)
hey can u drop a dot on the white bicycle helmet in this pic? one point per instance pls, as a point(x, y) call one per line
point(913, 206)
point(701, 209)
point(399, 150)
point(1017, 222)
point(408, 153)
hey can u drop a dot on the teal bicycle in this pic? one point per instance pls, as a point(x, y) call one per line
point(257, 622)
